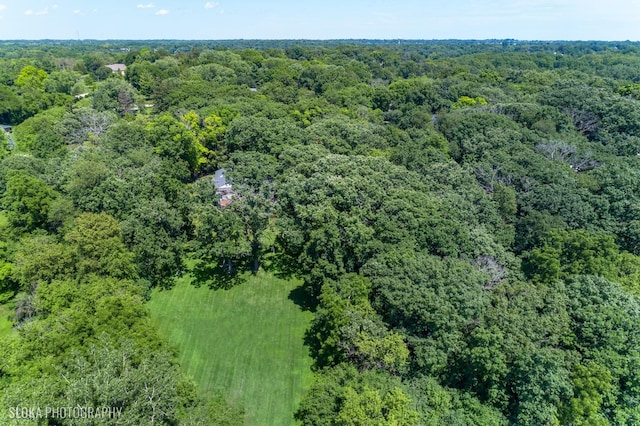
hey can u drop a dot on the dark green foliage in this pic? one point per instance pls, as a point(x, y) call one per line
point(10, 106)
point(153, 230)
point(341, 135)
point(603, 317)
point(173, 141)
point(433, 301)
point(262, 135)
point(464, 216)
point(114, 95)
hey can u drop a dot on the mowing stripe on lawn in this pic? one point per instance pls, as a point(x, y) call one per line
point(247, 342)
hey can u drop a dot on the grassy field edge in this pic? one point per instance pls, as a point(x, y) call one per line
point(247, 342)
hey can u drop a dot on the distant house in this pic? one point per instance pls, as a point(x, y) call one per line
point(223, 189)
point(117, 68)
point(7, 129)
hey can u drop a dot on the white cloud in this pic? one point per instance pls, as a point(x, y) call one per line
point(3, 7)
point(146, 6)
point(55, 6)
point(211, 5)
point(39, 12)
point(162, 12)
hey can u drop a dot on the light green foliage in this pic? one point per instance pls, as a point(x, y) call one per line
point(592, 384)
point(347, 328)
point(26, 201)
point(368, 408)
point(466, 102)
point(96, 240)
point(192, 121)
point(39, 135)
point(30, 84)
point(441, 406)
point(567, 253)
point(41, 258)
point(342, 396)
point(632, 90)
point(209, 132)
point(32, 78)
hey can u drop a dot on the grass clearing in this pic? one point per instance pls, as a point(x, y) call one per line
point(247, 342)
point(6, 323)
point(6, 309)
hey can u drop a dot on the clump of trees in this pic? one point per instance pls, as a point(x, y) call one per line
point(464, 216)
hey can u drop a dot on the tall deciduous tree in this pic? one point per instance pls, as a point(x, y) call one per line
point(97, 243)
point(27, 200)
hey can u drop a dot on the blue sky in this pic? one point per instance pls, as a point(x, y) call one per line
point(326, 19)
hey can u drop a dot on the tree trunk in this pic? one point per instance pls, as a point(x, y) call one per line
point(255, 253)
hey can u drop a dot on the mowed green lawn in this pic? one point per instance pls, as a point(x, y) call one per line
point(6, 309)
point(247, 342)
point(6, 314)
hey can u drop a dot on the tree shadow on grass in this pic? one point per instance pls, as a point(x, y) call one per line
point(215, 276)
point(280, 265)
point(303, 297)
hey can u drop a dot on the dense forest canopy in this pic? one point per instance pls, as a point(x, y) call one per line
point(464, 215)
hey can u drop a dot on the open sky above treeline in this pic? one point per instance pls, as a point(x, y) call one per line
point(328, 19)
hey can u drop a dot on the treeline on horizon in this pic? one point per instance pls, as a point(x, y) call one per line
point(464, 215)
